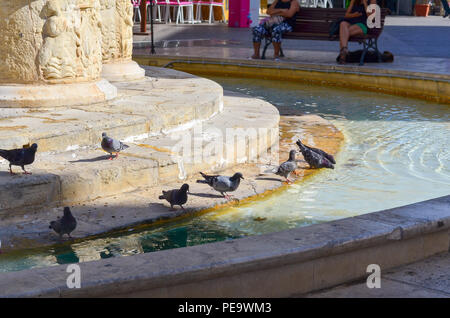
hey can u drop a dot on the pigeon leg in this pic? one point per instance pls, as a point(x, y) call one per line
point(117, 155)
point(172, 208)
point(183, 208)
point(24, 171)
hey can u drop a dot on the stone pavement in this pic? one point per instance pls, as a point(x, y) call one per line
point(428, 278)
point(418, 44)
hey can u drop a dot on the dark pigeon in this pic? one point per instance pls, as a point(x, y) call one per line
point(319, 151)
point(20, 157)
point(287, 167)
point(111, 145)
point(314, 159)
point(64, 225)
point(222, 184)
point(176, 197)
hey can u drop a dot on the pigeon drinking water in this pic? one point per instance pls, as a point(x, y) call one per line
point(64, 225)
point(222, 184)
point(176, 196)
point(111, 145)
point(314, 159)
point(319, 151)
point(20, 157)
point(287, 167)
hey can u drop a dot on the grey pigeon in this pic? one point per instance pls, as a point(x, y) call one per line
point(111, 145)
point(64, 225)
point(222, 184)
point(176, 196)
point(287, 167)
point(314, 159)
point(319, 151)
point(20, 157)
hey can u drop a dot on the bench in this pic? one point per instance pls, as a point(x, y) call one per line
point(314, 24)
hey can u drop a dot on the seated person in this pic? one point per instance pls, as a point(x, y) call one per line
point(282, 19)
point(355, 23)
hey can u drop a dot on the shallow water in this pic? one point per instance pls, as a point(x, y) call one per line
point(396, 153)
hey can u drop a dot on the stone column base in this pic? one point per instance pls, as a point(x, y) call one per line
point(121, 72)
point(54, 95)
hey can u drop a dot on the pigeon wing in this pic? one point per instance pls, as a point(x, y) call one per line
point(222, 183)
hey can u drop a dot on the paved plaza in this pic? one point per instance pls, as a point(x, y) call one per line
point(418, 44)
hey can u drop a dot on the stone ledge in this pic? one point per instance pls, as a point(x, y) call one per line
point(271, 265)
point(82, 175)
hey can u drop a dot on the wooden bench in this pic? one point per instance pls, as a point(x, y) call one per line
point(314, 24)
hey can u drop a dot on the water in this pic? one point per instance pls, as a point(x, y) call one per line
point(396, 153)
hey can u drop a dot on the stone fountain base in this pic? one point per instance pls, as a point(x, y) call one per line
point(55, 95)
point(120, 72)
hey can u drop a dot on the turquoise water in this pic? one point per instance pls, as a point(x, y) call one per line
point(396, 153)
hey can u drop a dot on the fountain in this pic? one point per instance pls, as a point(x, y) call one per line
point(51, 54)
point(117, 41)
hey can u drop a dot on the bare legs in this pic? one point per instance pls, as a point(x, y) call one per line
point(276, 49)
point(345, 32)
point(256, 46)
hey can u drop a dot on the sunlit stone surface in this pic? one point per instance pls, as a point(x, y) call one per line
point(50, 49)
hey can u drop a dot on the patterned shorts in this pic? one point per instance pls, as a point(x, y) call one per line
point(275, 30)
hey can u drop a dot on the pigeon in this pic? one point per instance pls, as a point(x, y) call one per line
point(111, 145)
point(314, 159)
point(176, 196)
point(19, 157)
point(222, 184)
point(64, 225)
point(287, 167)
point(319, 151)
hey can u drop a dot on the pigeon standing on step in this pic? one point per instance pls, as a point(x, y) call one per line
point(20, 157)
point(314, 159)
point(287, 167)
point(176, 196)
point(222, 184)
point(64, 225)
point(319, 151)
point(111, 145)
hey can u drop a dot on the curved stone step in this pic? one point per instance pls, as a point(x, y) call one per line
point(163, 101)
point(85, 174)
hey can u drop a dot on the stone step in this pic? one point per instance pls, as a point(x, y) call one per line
point(153, 106)
point(86, 174)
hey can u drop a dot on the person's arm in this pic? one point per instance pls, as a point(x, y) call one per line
point(272, 10)
point(349, 14)
point(288, 13)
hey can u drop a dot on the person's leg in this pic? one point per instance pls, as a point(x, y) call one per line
point(346, 32)
point(446, 8)
point(277, 31)
point(343, 34)
point(258, 33)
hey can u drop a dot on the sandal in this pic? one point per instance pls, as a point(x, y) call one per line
point(343, 55)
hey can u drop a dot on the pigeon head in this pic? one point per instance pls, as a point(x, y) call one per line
point(237, 175)
point(103, 135)
point(67, 211)
point(34, 147)
point(299, 144)
point(185, 187)
point(292, 154)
